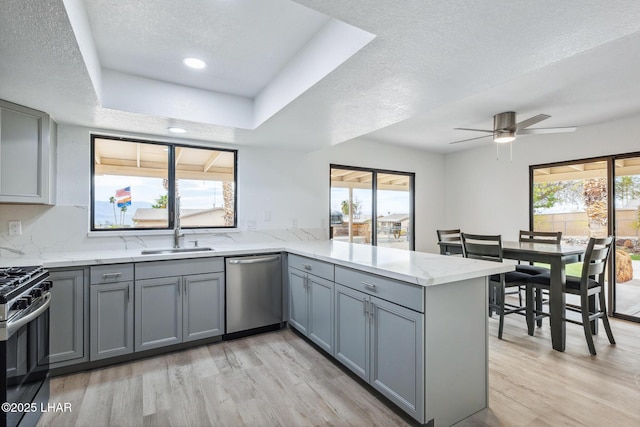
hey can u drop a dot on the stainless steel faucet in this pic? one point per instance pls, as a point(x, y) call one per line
point(176, 230)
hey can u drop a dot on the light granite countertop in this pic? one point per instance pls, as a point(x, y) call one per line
point(419, 268)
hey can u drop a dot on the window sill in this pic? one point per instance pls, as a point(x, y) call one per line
point(187, 231)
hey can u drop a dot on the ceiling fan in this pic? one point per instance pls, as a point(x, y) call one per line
point(505, 129)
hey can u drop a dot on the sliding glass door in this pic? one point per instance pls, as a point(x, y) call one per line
point(372, 207)
point(593, 198)
point(626, 293)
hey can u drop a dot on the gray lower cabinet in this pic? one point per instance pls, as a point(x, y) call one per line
point(158, 312)
point(298, 307)
point(311, 307)
point(68, 313)
point(352, 330)
point(178, 301)
point(383, 343)
point(397, 364)
point(203, 306)
point(111, 320)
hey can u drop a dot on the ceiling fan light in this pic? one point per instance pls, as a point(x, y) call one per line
point(504, 137)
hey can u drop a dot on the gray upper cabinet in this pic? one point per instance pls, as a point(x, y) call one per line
point(27, 155)
point(311, 300)
point(111, 320)
point(203, 306)
point(68, 313)
point(158, 312)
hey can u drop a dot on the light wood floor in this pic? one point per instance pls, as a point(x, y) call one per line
point(278, 379)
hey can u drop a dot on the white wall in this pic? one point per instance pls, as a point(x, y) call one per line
point(486, 195)
point(290, 185)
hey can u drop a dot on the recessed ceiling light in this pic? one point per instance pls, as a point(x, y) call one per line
point(176, 130)
point(194, 63)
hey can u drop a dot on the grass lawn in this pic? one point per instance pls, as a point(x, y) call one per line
point(575, 269)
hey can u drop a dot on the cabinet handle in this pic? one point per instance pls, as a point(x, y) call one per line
point(186, 289)
point(111, 275)
point(369, 286)
point(364, 307)
point(128, 296)
point(307, 266)
point(179, 289)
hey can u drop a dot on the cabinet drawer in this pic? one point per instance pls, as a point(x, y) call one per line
point(402, 293)
point(111, 273)
point(178, 267)
point(312, 266)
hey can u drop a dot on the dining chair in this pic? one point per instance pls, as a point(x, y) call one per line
point(549, 237)
point(446, 236)
point(489, 248)
point(587, 286)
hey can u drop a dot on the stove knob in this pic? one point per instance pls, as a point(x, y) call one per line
point(27, 298)
point(47, 285)
point(20, 304)
point(36, 292)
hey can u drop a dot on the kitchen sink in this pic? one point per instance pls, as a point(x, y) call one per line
point(174, 250)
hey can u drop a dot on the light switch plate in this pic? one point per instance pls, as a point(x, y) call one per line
point(15, 228)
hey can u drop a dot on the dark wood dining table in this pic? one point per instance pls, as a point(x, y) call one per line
point(557, 256)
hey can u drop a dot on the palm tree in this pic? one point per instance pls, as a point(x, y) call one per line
point(227, 195)
point(123, 210)
point(594, 191)
point(112, 200)
point(161, 202)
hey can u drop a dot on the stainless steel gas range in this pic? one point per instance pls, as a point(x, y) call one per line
point(24, 344)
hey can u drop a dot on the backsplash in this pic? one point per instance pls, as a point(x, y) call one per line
point(47, 229)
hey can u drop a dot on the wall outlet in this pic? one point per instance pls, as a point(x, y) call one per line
point(15, 228)
point(267, 215)
point(251, 224)
point(294, 223)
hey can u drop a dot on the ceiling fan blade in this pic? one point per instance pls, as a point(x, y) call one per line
point(471, 139)
point(475, 130)
point(546, 130)
point(531, 121)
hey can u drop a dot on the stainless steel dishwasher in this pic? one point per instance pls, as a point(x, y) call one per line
point(254, 292)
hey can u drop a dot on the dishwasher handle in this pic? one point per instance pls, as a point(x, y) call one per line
point(253, 260)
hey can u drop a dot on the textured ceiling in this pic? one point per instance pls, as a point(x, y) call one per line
point(432, 66)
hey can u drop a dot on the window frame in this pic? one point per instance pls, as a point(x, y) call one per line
point(374, 199)
point(171, 177)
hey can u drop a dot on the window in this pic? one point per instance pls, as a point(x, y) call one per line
point(138, 184)
point(356, 193)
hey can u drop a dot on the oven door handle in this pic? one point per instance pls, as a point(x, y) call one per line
point(14, 326)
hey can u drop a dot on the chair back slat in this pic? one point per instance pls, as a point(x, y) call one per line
point(552, 237)
point(480, 246)
point(448, 235)
point(595, 260)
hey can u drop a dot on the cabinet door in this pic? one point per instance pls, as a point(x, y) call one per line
point(25, 158)
point(158, 312)
point(397, 355)
point(111, 320)
point(298, 307)
point(320, 327)
point(203, 306)
point(66, 337)
point(352, 330)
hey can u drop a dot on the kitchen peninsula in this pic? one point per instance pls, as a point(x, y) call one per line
point(432, 305)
